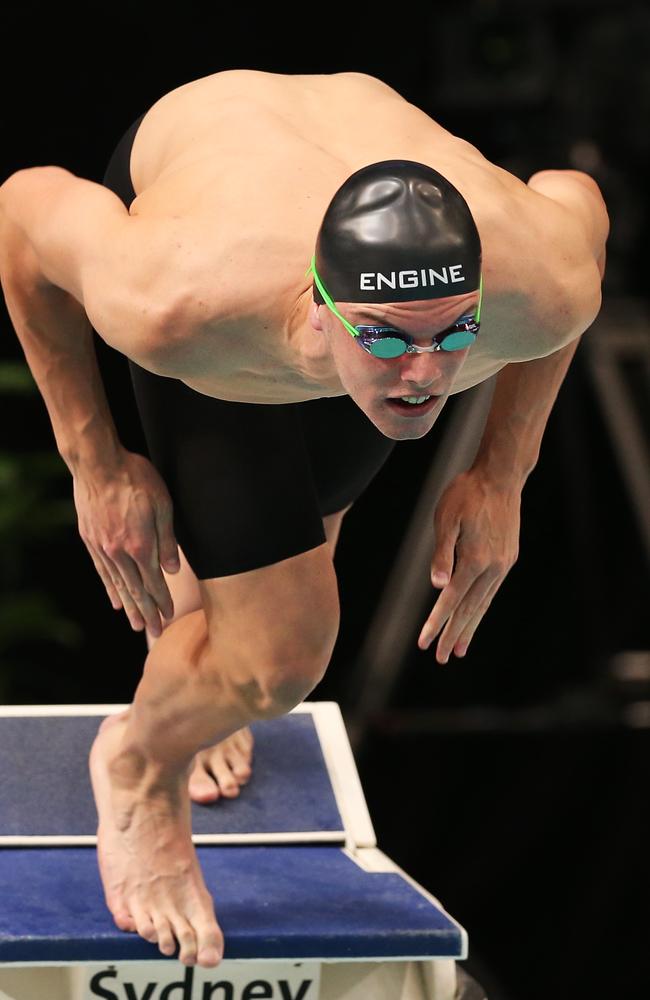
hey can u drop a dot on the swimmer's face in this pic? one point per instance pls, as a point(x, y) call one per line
point(373, 382)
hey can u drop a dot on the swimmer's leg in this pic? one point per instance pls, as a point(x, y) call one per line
point(224, 768)
point(260, 643)
point(221, 769)
point(184, 586)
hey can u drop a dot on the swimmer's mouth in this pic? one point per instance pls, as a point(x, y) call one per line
point(410, 408)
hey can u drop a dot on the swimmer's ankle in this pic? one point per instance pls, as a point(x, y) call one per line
point(131, 767)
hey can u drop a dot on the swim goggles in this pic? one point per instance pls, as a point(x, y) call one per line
point(387, 342)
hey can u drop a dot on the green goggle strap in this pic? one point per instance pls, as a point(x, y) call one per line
point(348, 326)
point(328, 301)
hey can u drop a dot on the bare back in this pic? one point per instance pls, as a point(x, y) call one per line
point(246, 163)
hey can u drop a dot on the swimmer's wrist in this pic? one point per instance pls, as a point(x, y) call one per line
point(93, 458)
point(500, 475)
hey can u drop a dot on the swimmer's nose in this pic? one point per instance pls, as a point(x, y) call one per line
point(423, 370)
point(430, 387)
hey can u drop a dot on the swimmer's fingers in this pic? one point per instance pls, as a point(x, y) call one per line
point(469, 623)
point(147, 558)
point(138, 560)
point(120, 506)
point(116, 588)
point(105, 576)
point(151, 544)
point(126, 589)
point(477, 536)
point(460, 607)
point(167, 544)
point(160, 552)
point(137, 601)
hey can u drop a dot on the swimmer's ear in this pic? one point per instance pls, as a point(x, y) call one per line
point(314, 316)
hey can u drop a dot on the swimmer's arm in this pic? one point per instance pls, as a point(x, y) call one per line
point(525, 392)
point(56, 338)
point(42, 294)
point(86, 244)
point(524, 396)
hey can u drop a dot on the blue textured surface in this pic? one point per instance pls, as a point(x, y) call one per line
point(271, 902)
point(45, 785)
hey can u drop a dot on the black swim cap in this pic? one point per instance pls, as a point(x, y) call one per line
point(396, 231)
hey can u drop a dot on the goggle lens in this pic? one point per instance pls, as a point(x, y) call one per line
point(458, 341)
point(388, 347)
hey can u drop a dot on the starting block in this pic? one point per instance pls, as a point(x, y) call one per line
point(309, 907)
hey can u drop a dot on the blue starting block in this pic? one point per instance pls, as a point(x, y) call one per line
point(309, 907)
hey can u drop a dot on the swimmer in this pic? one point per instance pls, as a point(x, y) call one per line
point(300, 271)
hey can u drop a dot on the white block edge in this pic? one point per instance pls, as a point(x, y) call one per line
point(373, 860)
point(343, 773)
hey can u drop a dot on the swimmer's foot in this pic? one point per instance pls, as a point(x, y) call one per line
point(149, 868)
point(221, 769)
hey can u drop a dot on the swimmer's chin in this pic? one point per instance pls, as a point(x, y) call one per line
point(408, 434)
point(396, 429)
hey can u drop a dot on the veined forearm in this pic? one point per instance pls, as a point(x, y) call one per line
point(523, 399)
point(57, 340)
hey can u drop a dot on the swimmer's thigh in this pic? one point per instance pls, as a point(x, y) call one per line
point(279, 625)
point(247, 517)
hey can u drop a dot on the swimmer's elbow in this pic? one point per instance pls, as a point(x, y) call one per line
point(580, 194)
point(579, 303)
point(131, 322)
point(593, 296)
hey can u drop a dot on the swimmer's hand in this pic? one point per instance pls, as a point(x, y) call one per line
point(480, 523)
point(126, 523)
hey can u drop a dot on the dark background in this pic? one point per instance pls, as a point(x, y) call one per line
point(526, 822)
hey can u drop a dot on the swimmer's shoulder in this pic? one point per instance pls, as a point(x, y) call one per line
point(543, 250)
point(170, 126)
point(567, 209)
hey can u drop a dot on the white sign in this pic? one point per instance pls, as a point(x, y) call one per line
point(174, 981)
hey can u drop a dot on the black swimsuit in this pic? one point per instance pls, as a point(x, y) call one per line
point(250, 482)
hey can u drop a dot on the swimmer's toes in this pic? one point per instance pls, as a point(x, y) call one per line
point(166, 941)
point(240, 767)
point(146, 928)
point(210, 945)
point(228, 784)
point(186, 939)
point(124, 921)
point(203, 787)
point(244, 740)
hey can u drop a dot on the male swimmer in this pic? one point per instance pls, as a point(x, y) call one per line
point(300, 270)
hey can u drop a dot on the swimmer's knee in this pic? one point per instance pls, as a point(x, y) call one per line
point(272, 631)
point(276, 689)
point(270, 684)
